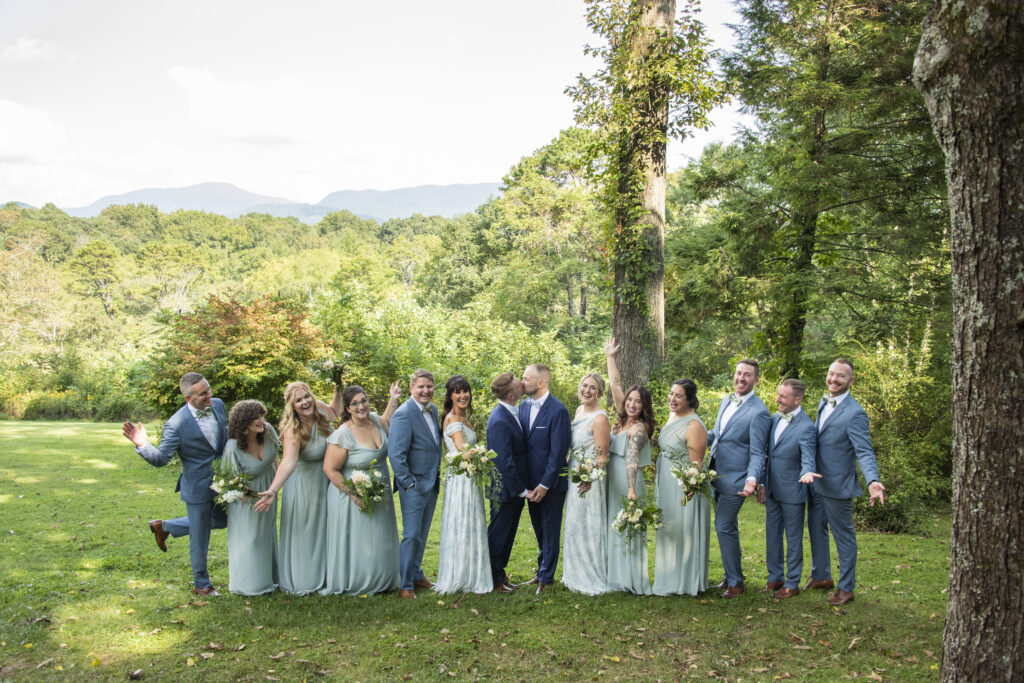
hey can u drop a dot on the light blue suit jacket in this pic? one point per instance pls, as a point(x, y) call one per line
point(790, 458)
point(414, 453)
point(842, 443)
point(183, 437)
point(739, 451)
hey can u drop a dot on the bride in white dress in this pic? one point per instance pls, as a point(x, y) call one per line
point(464, 560)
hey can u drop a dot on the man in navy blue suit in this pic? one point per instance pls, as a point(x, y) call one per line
point(414, 450)
point(197, 434)
point(506, 438)
point(737, 444)
point(548, 429)
point(844, 441)
point(792, 444)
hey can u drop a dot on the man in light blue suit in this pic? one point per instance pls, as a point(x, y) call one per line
point(548, 430)
point(197, 434)
point(843, 441)
point(414, 449)
point(506, 438)
point(792, 443)
point(737, 444)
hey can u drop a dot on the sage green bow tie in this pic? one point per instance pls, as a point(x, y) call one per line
point(735, 399)
point(787, 418)
point(204, 412)
point(426, 408)
point(828, 399)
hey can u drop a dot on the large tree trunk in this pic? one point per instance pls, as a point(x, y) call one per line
point(969, 69)
point(638, 316)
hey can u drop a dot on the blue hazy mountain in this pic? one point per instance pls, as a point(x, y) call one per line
point(229, 200)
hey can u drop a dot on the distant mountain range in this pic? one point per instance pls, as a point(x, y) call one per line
point(229, 200)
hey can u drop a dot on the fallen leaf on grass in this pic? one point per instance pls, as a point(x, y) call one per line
point(190, 661)
point(215, 646)
point(853, 642)
point(277, 656)
point(475, 611)
point(205, 655)
point(401, 645)
point(796, 637)
point(43, 663)
point(201, 603)
point(240, 647)
point(135, 675)
point(331, 640)
point(801, 647)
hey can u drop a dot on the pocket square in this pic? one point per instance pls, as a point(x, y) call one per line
point(541, 427)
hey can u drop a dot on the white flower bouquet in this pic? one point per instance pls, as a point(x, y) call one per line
point(329, 370)
point(584, 470)
point(636, 517)
point(369, 487)
point(693, 479)
point(230, 485)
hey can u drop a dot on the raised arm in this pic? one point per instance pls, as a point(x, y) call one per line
point(158, 456)
point(333, 410)
point(614, 382)
point(288, 462)
point(385, 419)
point(637, 441)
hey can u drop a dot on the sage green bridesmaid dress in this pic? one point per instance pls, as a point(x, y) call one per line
point(302, 553)
point(627, 562)
point(252, 536)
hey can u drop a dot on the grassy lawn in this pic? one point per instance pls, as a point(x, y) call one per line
point(84, 592)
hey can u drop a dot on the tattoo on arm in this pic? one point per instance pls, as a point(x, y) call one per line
point(636, 442)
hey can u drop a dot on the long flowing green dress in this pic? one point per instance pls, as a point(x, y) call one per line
point(627, 562)
point(585, 554)
point(682, 545)
point(362, 549)
point(302, 557)
point(252, 536)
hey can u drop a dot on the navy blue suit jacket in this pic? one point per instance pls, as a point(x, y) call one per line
point(183, 437)
point(547, 444)
point(506, 438)
point(791, 458)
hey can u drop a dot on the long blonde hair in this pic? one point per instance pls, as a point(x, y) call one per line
point(290, 422)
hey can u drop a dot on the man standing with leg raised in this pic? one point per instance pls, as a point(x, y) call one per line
point(545, 421)
point(737, 443)
point(843, 441)
point(197, 434)
point(414, 449)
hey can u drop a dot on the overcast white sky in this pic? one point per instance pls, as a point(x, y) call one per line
point(291, 99)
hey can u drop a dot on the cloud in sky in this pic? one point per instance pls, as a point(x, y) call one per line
point(294, 100)
point(26, 49)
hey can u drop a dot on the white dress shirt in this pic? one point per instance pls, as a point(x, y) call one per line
point(783, 424)
point(535, 407)
point(731, 409)
point(827, 409)
point(207, 425)
point(429, 419)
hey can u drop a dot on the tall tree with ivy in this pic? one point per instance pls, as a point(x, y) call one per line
point(655, 82)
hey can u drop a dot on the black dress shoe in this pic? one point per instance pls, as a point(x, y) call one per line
point(157, 527)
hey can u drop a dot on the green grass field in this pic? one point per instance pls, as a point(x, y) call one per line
point(84, 593)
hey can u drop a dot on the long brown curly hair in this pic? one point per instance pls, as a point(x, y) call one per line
point(646, 408)
point(290, 422)
point(241, 416)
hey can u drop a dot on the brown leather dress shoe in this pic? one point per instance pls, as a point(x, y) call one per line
point(840, 597)
point(540, 587)
point(423, 583)
point(733, 591)
point(532, 581)
point(157, 527)
point(784, 593)
point(208, 592)
point(772, 586)
point(407, 594)
point(819, 584)
point(511, 585)
point(503, 588)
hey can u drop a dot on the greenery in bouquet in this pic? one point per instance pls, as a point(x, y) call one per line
point(369, 487)
point(692, 478)
point(636, 517)
point(230, 485)
point(583, 469)
point(330, 370)
point(476, 463)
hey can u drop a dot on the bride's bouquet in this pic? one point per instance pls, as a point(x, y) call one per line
point(230, 485)
point(369, 487)
point(636, 517)
point(585, 470)
point(476, 462)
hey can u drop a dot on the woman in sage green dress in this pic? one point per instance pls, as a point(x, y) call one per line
point(630, 450)
point(585, 555)
point(304, 428)
point(464, 560)
point(681, 546)
point(362, 548)
point(252, 536)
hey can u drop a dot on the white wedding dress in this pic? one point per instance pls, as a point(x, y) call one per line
point(464, 563)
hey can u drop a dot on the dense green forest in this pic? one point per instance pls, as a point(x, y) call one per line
point(822, 231)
